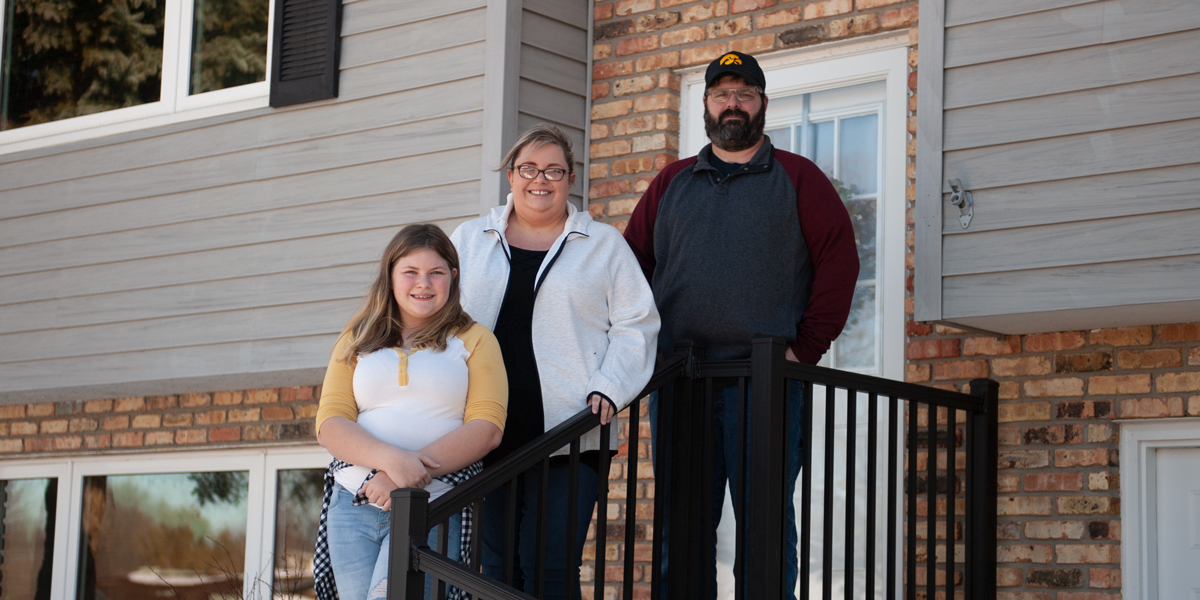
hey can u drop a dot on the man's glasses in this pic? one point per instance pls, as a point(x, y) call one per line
point(743, 94)
point(531, 172)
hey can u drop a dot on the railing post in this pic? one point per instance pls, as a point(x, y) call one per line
point(982, 458)
point(766, 470)
point(410, 509)
point(684, 550)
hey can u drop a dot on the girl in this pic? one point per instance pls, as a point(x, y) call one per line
point(415, 395)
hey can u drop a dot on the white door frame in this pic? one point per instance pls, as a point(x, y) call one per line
point(1140, 442)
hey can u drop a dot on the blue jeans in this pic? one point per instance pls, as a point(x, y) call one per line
point(359, 538)
point(725, 432)
point(524, 548)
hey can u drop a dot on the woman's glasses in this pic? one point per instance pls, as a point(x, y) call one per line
point(531, 172)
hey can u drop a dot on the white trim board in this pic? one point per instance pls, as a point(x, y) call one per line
point(1140, 440)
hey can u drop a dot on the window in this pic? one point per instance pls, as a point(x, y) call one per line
point(188, 526)
point(72, 65)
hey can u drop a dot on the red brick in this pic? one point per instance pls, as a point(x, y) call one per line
point(866, 4)
point(657, 141)
point(602, 12)
point(665, 101)
point(916, 373)
point(1089, 457)
point(786, 16)
point(1025, 411)
point(1023, 554)
point(11, 446)
point(633, 85)
point(633, 125)
point(1023, 505)
point(598, 170)
point(902, 17)
point(628, 7)
point(1090, 362)
point(1053, 342)
point(94, 406)
point(177, 420)
point(1073, 554)
point(1104, 578)
point(741, 6)
point(855, 25)
point(653, 62)
point(1179, 333)
point(609, 110)
point(194, 400)
point(1151, 408)
point(160, 438)
point(1009, 390)
point(97, 442)
point(628, 166)
point(268, 396)
point(70, 442)
point(1123, 336)
point(1178, 382)
point(596, 210)
point(1054, 388)
point(619, 208)
point(729, 28)
point(753, 45)
point(191, 436)
point(702, 55)
point(609, 70)
point(77, 425)
point(127, 439)
point(1193, 406)
point(1024, 459)
point(277, 413)
point(24, 428)
point(161, 402)
point(701, 12)
point(669, 81)
point(611, 149)
point(1105, 530)
point(147, 421)
point(1021, 367)
point(1022, 596)
point(225, 434)
point(1009, 436)
point(827, 8)
point(1119, 384)
point(657, 21)
point(1054, 530)
point(924, 349)
point(637, 45)
point(1054, 578)
point(605, 189)
point(686, 35)
point(228, 398)
point(600, 90)
point(1054, 482)
point(988, 346)
point(110, 423)
point(247, 415)
point(1101, 409)
point(662, 160)
point(259, 432)
point(40, 410)
point(809, 34)
point(1150, 359)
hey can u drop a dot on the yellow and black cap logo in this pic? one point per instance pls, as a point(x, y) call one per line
point(735, 63)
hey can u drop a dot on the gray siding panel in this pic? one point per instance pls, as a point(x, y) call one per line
point(417, 38)
point(552, 70)
point(1025, 35)
point(555, 36)
point(963, 12)
point(370, 15)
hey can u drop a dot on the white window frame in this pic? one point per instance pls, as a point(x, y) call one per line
point(262, 464)
point(1140, 442)
point(877, 58)
point(175, 105)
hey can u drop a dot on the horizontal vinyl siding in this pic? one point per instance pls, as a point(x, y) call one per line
point(1074, 126)
point(228, 253)
point(553, 74)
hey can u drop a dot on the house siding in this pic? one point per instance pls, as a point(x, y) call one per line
point(227, 253)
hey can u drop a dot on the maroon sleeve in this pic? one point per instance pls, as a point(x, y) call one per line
point(639, 232)
point(830, 237)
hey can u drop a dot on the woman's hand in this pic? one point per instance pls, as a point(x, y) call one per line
point(602, 407)
point(408, 469)
point(378, 490)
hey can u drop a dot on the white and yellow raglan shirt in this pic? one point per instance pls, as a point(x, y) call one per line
point(410, 399)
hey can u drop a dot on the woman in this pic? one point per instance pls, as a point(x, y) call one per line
point(414, 396)
point(577, 325)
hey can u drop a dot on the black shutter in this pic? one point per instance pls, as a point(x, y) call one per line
point(304, 65)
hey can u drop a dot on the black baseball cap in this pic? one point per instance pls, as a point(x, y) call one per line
point(735, 63)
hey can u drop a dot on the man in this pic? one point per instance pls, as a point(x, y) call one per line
point(744, 240)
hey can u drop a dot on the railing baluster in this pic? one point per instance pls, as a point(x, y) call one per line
point(851, 427)
point(805, 571)
point(765, 487)
point(443, 548)
point(706, 487)
point(910, 479)
point(510, 533)
point(894, 437)
point(477, 537)
point(739, 544)
point(571, 576)
point(951, 426)
point(931, 504)
point(827, 501)
point(982, 451)
point(602, 512)
point(539, 553)
point(631, 463)
point(872, 490)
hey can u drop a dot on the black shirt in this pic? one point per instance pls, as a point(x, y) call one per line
point(514, 331)
point(725, 169)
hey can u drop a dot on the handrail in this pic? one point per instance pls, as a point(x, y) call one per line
point(476, 488)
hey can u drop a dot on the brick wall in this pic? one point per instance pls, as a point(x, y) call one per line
point(639, 44)
point(232, 418)
point(1060, 528)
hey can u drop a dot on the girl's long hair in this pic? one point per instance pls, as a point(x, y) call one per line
point(377, 324)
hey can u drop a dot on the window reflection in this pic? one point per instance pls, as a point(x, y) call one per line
point(229, 44)
point(298, 506)
point(71, 58)
point(27, 538)
point(859, 160)
point(177, 536)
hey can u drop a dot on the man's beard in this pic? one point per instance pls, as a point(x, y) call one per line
point(735, 137)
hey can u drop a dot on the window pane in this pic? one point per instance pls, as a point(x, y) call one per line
point(822, 146)
point(27, 538)
point(177, 536)
point(856, 345)
point(70, 58)
point(781, 138)
point(298, 506)
point(862, 215)
point(229, 44)
point(859, 153)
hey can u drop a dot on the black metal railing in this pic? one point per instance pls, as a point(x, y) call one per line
point(871, 499)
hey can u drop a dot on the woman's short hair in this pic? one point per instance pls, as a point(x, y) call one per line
point(378, 324)
point(539, 135)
